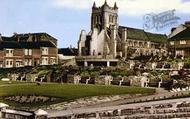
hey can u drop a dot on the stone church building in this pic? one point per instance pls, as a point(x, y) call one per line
point(108, 40)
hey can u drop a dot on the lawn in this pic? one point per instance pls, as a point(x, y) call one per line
point(11, 82)
point(68, 92)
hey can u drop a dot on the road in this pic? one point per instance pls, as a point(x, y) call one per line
point(110, 108)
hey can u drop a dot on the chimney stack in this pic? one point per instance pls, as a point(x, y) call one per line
point(187, 23)
point(14, 33)
point(1, 37)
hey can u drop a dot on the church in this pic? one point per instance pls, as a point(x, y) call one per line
point(108, 40)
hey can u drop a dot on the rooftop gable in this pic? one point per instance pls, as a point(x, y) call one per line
point(185, 34)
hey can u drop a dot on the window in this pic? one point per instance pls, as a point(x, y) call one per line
point(130, 43)
point(1, 64)
point(18, 63)
point(44, 51)
point(9, 63)
point(9, 52)
point(182, 42)
point(111, 19)
point(171, 42)
point(28, 52)
point(136, 44)
point(140, 44)
point(28, 62)
point(180, 52)
point(97, 18)
point(153, 46)
point(44, 61)
point(53, 60)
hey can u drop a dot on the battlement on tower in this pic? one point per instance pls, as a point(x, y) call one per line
point(105, 7)
point(104, 16)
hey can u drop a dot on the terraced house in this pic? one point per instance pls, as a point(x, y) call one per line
point(179, 40)
point(30, 49)
point(107, 39)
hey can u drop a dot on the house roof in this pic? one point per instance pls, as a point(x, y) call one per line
point(9, 44)
point(140, 34)
point(68, 51)
point(39, 36)
point(185, 34)
point(36, 45)
point(23, 42)
point(27, 45)
point(8, 38)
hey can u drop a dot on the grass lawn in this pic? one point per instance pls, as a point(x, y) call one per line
point(11, 82)
point(68, 92)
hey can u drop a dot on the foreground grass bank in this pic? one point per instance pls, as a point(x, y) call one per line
point(68, 92)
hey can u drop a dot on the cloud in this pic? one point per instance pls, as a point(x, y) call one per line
point(129, 7)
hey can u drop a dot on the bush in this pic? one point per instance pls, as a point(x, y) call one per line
point(85, 74)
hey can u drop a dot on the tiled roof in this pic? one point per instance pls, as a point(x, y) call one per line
point(68, 51)
point(36, 45)
point(23, 42)
point(8, 38)
point(25, 36)
point(156, 37)
point(140, 34)
point(182, 35)
point(137, 34)
point(9, 44)
point(29, 45)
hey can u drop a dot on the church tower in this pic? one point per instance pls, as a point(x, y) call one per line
point(103, 37)
point(103, 17)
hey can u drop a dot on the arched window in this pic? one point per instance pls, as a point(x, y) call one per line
point(97, 19)
point(110, 18)
point(113, 19)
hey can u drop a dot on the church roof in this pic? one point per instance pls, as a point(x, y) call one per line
point(156, 37)
point(137, 34)
point(140, 34)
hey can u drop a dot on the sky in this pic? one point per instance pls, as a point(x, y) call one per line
point(64, 19)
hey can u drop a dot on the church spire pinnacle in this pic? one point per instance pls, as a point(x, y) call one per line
point(105, 2)
point(94, 4)
point(115, 6)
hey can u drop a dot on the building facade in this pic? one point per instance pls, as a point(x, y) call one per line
point(179, 40)
point(31, 49)
point(107, 39)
